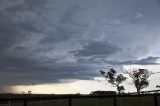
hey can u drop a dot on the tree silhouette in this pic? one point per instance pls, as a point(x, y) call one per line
point(114, 78)
point(158, 86)
point(140, 78)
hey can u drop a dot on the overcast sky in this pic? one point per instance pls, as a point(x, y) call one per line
point(60, 41)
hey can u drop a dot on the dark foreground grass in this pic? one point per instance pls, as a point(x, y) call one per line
point(135, 101)
point(121, 101)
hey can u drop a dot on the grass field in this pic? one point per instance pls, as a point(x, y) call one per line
point(121, 101)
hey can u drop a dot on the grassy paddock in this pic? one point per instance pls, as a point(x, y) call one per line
point(121, 101)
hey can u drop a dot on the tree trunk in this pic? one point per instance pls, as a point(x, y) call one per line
point(119, 91)
point(138, 90)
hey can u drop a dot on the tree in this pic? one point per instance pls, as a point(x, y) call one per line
point(140, 78)
point(114, 78)
point(158, 86)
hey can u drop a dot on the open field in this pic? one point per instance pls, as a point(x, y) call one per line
point(96, 101)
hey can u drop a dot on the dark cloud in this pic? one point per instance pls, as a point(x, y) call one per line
point(98, 60)
point(98, 49)
point(27, 72)
point(67, 27)
point(24, 29)
point(147, 61)
point(44, 41)
point(143, 61)
point(17, 22)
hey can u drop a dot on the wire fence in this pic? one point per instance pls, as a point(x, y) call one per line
point(85, 100)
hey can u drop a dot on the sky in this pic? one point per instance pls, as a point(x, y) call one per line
point(52, 44)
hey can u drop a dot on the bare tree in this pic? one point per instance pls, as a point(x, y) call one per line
point(114, 78)
point(140, 78)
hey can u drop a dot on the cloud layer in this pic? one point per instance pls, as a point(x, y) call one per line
point(44, 41)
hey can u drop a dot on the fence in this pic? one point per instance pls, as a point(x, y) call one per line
point(83, 100)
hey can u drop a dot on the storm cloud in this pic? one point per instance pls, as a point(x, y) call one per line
point(102, 48)
point(47, 41)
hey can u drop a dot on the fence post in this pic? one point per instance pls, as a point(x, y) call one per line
point(69, 102)
point(155, 100)
point(9, 103)
point(114, 100)
point(25, 103)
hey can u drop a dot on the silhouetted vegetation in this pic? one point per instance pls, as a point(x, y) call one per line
point(114, 78)
point(140, 78)
point(103, 93)
point(158, 86)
